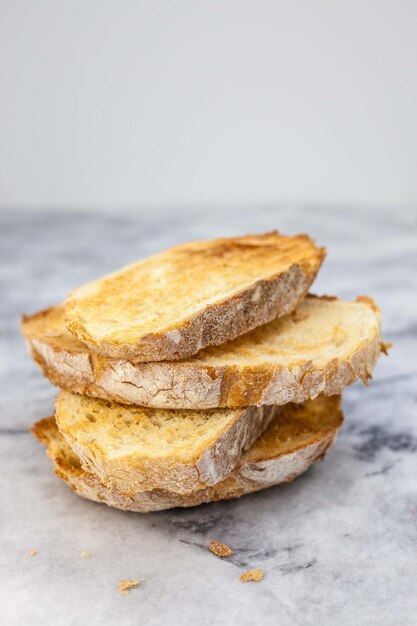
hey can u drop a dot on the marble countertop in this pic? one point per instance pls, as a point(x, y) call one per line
point(339, 545)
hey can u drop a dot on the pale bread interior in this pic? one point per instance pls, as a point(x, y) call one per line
point(320, 330)
point(114, 431)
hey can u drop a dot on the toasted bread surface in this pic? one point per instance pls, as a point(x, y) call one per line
point(135, 449)
point(171, 305)
point(322, 346)
point(296, 437)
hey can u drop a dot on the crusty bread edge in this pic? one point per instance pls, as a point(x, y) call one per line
point(245, 479)
point(219, 322)
point(195, 386)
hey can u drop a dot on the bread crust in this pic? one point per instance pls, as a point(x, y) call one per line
point(218, 322)
point(193, 384)
point(248, 476)
point(283, 470)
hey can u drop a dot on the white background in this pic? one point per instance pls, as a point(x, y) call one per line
point(149, 103)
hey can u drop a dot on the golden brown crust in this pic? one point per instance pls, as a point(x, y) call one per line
point(279, 457)
point(206, 381)
point(370, 301)
point(285, 269)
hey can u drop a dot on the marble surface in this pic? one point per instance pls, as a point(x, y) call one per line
point(339, 545)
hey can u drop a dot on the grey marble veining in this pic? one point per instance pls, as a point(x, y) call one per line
point(339, 545)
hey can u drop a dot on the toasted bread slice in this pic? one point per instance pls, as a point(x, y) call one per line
point(323, 346)
point(133, 449)
point(297, 436)
point(199, 294)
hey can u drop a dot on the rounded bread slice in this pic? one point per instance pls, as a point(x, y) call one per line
point(321, 347)
point(297, 437)
point(134, 449)
point(198, 294)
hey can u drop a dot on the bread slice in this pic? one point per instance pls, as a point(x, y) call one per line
point(133, 449)
point(171, 305)
point(297, 436)
point(323, 346)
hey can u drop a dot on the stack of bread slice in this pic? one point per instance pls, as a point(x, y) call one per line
point(202, 373)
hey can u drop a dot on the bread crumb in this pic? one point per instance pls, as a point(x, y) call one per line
point(124, 585)
point(385, 346)
point(220, 549)
point(85, 553)
point(32, 552)
point(252, 575)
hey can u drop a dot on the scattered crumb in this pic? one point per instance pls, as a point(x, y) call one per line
point(32, 552)
point(252, 575)
point(124, 585)
point(385, 346)
point(220, 549)
point(85, 553)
